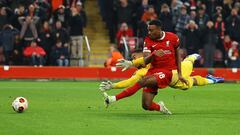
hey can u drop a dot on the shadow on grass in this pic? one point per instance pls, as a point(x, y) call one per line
point(155, 115)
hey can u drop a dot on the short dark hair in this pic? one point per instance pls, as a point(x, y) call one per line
point(155, 22)
point(137, 51)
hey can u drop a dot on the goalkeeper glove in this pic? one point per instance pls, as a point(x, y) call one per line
point(125, 64)
point(104, 86)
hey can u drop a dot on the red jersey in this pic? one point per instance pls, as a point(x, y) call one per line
point(168, 43)
point(30, 50)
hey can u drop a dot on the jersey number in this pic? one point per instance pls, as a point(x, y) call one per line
point(161, 75)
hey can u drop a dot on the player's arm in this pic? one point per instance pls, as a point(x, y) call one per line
point(107, 85)
point(126, 83)
point(176, 43)
point(143, 61)
point(126, 64)
point(178, 61)
point(149, 57)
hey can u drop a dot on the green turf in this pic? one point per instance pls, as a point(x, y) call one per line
point(76, 108)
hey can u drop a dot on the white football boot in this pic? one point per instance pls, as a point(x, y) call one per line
point(108, 99)
point(163, 108)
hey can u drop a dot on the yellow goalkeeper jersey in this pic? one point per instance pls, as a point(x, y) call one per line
point(134, 78)
point(186, 67)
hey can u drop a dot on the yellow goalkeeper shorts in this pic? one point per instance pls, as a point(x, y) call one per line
point(186, 68)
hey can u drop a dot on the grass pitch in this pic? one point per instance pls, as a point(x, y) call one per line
point(76, 108)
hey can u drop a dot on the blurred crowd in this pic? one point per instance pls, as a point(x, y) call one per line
point(208, 27)
point(39, 32)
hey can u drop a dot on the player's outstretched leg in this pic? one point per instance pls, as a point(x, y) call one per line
point(201, 81)
point(123, 94)
point(148, 104)
point(193, 57)
point(215, 79)
point(130, 91)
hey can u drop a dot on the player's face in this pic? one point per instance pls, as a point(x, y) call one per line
point(154, 32)
point(136, 55)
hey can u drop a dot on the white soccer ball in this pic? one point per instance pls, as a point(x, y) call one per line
point(20, 104)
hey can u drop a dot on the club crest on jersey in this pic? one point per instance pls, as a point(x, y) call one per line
point(167, 43)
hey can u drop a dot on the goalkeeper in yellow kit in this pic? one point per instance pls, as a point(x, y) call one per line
point(138, 62)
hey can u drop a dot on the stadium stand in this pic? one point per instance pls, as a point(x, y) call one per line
point(88, 28)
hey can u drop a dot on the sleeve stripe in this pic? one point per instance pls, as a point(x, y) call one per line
point(147, 51)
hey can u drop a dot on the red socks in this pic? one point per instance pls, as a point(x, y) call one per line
point(154, 107)
point(132, 90)
point(129, 91)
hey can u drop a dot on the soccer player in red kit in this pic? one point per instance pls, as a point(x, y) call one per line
point(161, 50)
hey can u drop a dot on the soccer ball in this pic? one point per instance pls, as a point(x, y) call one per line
point(20, 104)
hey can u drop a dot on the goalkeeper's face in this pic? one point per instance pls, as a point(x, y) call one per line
point(137, 55)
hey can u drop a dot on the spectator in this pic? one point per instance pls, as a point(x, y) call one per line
point(7, 37)
point(149, 14)
point(46, 40)
point(193, 15)
point(227, 43)
point(3, 17)
point(76, 33)
point(202, 19)
point(17, 57)
point(124, 12)
point(35, 10)
point(19, 12)
point(217, 13)
point(166, 18)
point(141, 9)
point(176, 10)
point(60, 54)
point(211, 7)
point(60, 33)
point(31, 11)
point(192, 37)
point(61, 14)
point(35, 54)
point(124, 31)
point(115, 55)
point(210, 41)
point(141, 33)
point(43, 9)
point(233, 25)
point(111, 19)
point(29, 30)
point(181, 23)
point(82, 13)
point(227, 6)
point(220, 29)
point(233, 54)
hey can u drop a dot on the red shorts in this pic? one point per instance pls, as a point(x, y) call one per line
point(162, 76)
